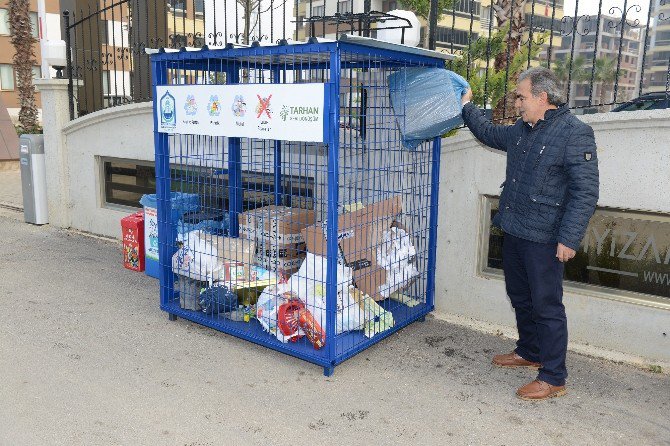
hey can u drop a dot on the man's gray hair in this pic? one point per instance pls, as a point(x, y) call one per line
point(544, 80)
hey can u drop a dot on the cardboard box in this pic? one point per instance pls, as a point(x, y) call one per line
point(359, 233)
point(273, 250)
point(276, 224)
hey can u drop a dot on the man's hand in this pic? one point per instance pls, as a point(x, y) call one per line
point(563, 253)
point(467, 97)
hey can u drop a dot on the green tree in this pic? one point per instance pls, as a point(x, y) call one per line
point(490, 88)
point(605, 74)
point(510, 15)
point(579, 69)
point(24, 61)
point(422, 9)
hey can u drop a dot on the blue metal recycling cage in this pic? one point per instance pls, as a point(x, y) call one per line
point(318, 243)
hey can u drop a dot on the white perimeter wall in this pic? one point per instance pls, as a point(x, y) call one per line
point(634, 160)
point(634, 154)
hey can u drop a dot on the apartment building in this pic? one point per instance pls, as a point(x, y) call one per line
point(657, 64)
point(606, 41)
point(51, 30)
point(457, 26)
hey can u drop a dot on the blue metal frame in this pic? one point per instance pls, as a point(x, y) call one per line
point(234, 172)
point(338, 347)
point(279, 194)
point(164, 208)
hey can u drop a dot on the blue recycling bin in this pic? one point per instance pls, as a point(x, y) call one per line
point(182, 203)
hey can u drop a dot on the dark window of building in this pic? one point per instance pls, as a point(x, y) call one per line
point(344, 7)
point(199, 6)
point(179, 5)
point(125, 181)
point(446, 35)
point(662, 55)
point(633, 257)
point(544, 23)
point(466, 6)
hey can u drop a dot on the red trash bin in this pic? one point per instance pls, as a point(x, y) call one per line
point(132, 233)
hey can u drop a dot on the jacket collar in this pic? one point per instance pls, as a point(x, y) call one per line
point(552, 114)
point(555, 112)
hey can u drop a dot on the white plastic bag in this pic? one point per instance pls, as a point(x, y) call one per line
point(267, 309)
point(196, 259)
point(309, 283)
point(396, 255)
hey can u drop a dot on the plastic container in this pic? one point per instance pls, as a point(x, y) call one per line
point(181, 204)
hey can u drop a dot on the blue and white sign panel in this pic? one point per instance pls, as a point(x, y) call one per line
point(292, 112)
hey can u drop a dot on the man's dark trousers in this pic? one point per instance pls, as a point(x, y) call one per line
point(534, 283)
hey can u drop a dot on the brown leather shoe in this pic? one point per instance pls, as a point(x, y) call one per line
point(539, 390)
point(513, 360)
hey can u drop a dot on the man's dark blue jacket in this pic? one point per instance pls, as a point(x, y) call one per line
point(551, 185)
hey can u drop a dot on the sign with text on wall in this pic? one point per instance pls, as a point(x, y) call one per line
point(622, 249)
point(292, 112)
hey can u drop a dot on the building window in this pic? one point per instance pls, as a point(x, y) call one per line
point(344, 7)
point(318, 11)
point(466, 6)
point(634, 257)
point(199, 6)
point(180, 5)
point(125, 181)
point(5, 29)
point(6, 77)
point(446, 35)
point(34, 25)
point(4, 22)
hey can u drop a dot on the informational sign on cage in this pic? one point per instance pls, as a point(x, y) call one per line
point(292, 112)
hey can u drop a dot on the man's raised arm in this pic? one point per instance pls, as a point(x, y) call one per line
point(495, 136)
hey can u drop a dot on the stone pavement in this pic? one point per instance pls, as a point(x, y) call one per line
point(10, 189)
point(88, 358)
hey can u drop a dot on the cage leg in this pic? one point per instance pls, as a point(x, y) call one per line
point(422, 319)
point(328, 370)
point(172, 317)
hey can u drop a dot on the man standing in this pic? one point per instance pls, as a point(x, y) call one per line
point(548, 197)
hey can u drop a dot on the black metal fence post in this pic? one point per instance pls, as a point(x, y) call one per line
point(68, 58)
point(467, 30)
point(432, 24)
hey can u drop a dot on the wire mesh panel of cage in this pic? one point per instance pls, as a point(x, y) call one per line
point(316, 230)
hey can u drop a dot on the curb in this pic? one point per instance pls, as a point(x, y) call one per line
point(590, 351)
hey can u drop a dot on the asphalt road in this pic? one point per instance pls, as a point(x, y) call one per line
point(88, 358)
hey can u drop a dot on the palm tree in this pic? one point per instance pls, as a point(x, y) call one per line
point(24, 60)
point(605, 73)
point(510, 15)
point(575, 69)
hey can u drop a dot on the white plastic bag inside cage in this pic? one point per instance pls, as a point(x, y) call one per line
point(267, 312)
point(396, 255)
point(309, 283)
point(197, 258)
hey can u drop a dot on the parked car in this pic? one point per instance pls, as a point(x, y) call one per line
point(648, 101)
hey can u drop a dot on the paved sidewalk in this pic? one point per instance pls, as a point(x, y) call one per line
point(87, 358)
point(10, 189)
